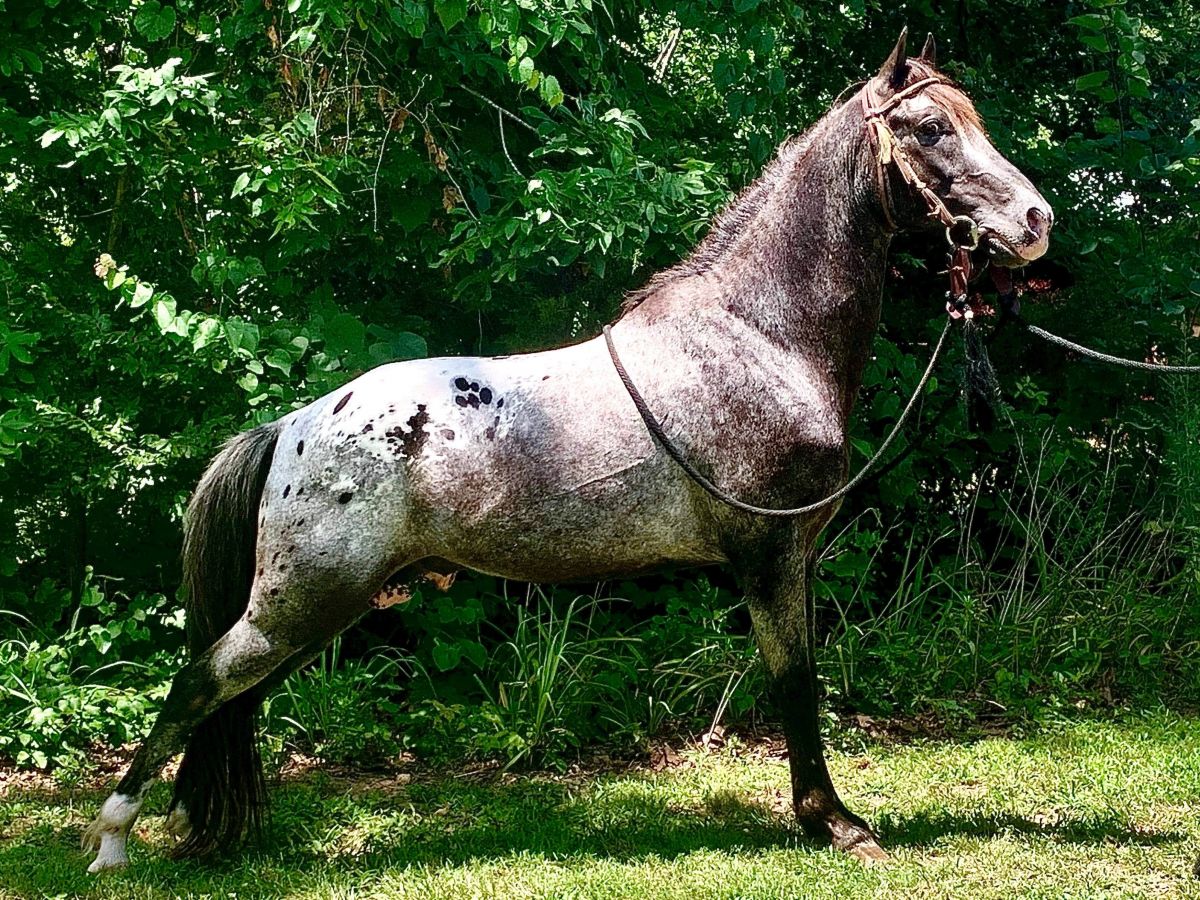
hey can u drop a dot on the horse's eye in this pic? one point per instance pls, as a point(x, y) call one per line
point(929, 132)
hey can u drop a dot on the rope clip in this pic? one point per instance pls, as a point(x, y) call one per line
point(959, 307)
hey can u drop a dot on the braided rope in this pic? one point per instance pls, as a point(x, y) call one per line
point(653, 426)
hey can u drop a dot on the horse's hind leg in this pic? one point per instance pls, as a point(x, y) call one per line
point(257, 644)
point(777, 580)
point(178, 823)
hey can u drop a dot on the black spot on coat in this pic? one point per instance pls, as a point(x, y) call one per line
point(414, 441)
point(341, 404)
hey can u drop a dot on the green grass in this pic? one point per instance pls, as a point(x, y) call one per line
point(1084, 809)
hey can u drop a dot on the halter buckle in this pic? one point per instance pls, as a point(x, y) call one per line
point(972, 233)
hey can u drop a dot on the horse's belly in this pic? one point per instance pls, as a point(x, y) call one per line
point(615, 529)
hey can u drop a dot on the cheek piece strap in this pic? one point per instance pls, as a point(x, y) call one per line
point(962, 233)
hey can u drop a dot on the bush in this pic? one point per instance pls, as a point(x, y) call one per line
point(1068, 600)
point(98, 681)
point(342, 710)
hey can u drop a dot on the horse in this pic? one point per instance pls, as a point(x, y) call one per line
point(538, 467)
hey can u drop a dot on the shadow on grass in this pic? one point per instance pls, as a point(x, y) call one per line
point(921, 829)
point(320, 830)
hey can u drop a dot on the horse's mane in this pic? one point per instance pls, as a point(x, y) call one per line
point(741, 210)
point(728, 224)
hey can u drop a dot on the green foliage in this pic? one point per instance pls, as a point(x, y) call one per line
point(1050, 602)
point(341, 710)
point(215, 213)
point(543, 677)
point(101, 679)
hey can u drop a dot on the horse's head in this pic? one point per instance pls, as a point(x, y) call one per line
point(936, 129)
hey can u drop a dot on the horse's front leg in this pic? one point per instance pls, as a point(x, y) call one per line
point(777, 581)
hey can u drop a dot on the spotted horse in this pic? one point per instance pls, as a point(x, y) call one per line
point(538, 466)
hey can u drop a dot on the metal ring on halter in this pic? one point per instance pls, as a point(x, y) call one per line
point(972, 233)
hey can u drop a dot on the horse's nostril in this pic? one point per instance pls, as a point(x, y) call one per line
point(1039, 222)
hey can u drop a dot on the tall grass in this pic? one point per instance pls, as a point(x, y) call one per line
point(341, 709)
point(1071, 595)
point(562, 677)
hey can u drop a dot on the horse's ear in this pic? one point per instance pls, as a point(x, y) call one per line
point(929, 52)
point(895, 70)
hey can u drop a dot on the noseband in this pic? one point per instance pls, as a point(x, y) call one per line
point(962, 233)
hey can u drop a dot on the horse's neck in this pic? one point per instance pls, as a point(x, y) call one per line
point(805, 267)
point(808, 270)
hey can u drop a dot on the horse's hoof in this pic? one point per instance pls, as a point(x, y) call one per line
point(868, 853)
point(109, 848)
point(104, 863)
point(107, 843)
point(178, 825)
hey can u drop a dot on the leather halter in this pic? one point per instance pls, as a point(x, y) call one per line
point(961, 231)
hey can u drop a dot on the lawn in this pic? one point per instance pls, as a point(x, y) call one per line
point(1088, 808)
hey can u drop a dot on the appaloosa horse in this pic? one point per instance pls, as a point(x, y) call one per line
point(538, 467)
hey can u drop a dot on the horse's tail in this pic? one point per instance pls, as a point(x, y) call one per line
point(220, 786)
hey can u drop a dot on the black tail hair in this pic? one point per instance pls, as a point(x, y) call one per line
point(220, 782)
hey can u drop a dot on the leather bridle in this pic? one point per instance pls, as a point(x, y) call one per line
point(962, 233)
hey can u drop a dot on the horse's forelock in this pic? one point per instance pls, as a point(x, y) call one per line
point(946, 94)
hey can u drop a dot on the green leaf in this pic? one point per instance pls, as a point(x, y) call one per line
point(205, 333)
point(142, 292)
point(303, 38)
point(409, 346)
point(154, 21)
point(164, 314)
point(241, 335)
point(279, 359)
point(525, 70)
point(446, 656)
point(344, 334)
point(475, 652)
point(451, 12)
point(1093, 21)
point(550, 90)
point(1091, 81)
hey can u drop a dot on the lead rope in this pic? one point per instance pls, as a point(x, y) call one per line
point(1103, 357)
point(673, 451)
